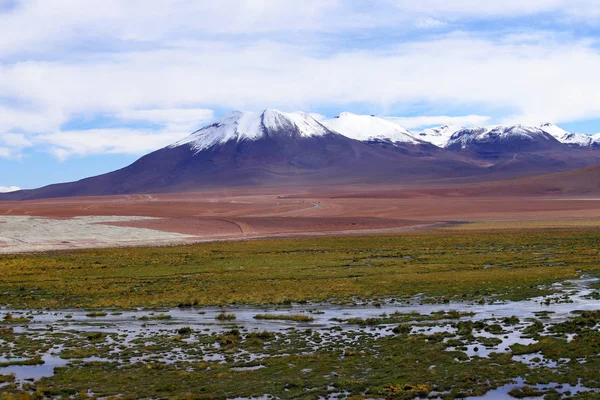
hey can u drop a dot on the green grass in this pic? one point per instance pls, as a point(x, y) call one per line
point(224, 316)
point(37, 360)
point(445, 266)
point(96, 314)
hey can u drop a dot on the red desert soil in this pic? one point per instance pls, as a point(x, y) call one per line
point(239, 213)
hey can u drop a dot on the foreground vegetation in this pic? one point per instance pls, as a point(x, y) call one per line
point(259, 341)
point(445, 266)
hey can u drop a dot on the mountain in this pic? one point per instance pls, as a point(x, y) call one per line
point(271, 148)
point(502, 139)
point(370, 128)
point(521, 150)
point(471, 137)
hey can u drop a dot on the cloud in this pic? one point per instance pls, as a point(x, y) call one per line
point(62, 27)
point(172, 125)
point(80, 143)
point(12, 144)
point(169, 65)
point(7, 189)
point(427, 121)
point(546, 80)
point(64, 24)
point(430, 23)
point(170, 115)
point(488, 9)
point(537, 79)
point(17, 140)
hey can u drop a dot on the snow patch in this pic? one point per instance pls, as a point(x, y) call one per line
point(439, 136)
point(299, 122)
point(368, 127)
point(8, 189)
point(563, 136)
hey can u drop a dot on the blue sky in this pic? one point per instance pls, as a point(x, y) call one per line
point(88, 87)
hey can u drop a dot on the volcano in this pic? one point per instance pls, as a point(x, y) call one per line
point(271, 148)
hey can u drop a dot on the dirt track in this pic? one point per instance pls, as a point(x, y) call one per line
point(238, 214)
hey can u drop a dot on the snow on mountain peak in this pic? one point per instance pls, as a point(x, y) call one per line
point(439, 136)
point(304, 124)
point(248, 125)
point(245, 125)
point(563, 136)
point(369, 127)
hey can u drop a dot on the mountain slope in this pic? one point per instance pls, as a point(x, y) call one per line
point(578, 182)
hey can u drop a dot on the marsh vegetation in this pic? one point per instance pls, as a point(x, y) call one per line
point(423, 315)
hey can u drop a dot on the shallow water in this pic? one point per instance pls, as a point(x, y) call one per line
point(204, 318)
point(502, 392)
point(35, 372)
point(127, 328)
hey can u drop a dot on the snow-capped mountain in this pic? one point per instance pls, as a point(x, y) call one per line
point(459, 137)
point(370, 128)
point(439, 136)
point(239, 126)
point(502, 139)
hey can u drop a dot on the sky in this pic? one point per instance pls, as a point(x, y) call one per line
point(87, 87)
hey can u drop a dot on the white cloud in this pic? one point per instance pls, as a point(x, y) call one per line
point(427, 121)
point(174, 124)
point(62, 23)
point(543, 81)
point(482, 9)
point(7, 189)
point(430, 23)
point(17, 140)
point(173, 120)
point(61, 26)
point(12, 144)
point(145, 72)
point(168, 115)
point(547, 80)
point(106, 141)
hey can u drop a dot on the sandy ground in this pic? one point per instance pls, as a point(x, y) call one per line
point(242, 214)
point(27, 233)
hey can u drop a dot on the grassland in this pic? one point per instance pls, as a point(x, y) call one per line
point(395, 355)
point(444, 266)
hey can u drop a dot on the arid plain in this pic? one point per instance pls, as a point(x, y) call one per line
point(160, 219)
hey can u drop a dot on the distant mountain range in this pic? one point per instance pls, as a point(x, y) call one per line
point(274, 148)
point(365, 127)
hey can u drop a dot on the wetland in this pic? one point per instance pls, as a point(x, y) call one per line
point(460, 315)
